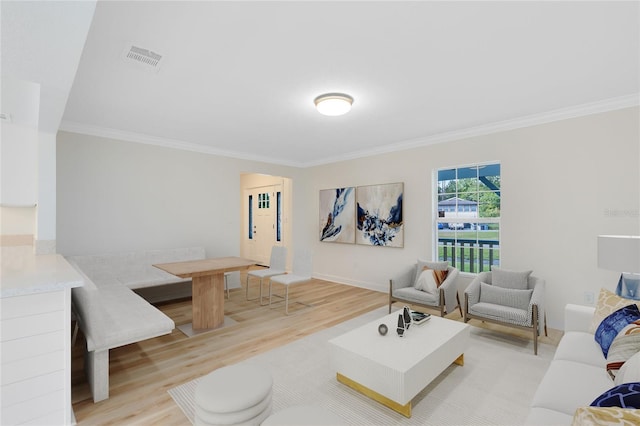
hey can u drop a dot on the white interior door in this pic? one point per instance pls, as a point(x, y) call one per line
point(262, 222)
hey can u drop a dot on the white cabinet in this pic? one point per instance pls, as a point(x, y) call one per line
point(36, 342)
point(35, 339)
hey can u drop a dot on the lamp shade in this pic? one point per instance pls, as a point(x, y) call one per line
point(619, 253)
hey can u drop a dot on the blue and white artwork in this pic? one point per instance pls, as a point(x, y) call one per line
point(379, 215)
point(338, 215)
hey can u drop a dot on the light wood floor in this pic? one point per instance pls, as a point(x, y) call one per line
point(140, 374)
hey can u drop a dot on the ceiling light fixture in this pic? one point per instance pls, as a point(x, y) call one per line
point(333, 103)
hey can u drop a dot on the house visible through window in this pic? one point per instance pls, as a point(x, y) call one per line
point(467, 217)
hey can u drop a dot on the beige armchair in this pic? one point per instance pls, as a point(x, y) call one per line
point(509, 303)
point(445, 299)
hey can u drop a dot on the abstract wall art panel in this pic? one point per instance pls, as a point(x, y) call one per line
point(338, 215)
point(379, 215)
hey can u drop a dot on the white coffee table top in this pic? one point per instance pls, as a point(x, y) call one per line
point(399, 353)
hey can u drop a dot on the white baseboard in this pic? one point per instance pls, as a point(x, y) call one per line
point(354, 283)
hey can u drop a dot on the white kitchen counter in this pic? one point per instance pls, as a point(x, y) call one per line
point(24, 273)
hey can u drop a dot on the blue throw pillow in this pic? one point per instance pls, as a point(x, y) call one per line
point(611, 325)
point(625, 396)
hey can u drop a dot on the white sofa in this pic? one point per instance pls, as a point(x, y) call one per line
point(577, 375)
point(111, 314)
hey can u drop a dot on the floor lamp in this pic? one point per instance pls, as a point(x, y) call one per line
point(622, 253)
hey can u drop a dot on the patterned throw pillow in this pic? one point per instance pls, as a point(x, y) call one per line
point(430, 280)
point(625, 345)
point(608, 302)
point(606, 416)
point(630, 371)
point(611, 326)
point(436, 266)
point(510, 279)
point(626, 395)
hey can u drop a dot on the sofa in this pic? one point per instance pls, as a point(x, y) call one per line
point(110, 314)
point(577, 374)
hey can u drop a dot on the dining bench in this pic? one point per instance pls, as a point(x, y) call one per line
point(110, 314)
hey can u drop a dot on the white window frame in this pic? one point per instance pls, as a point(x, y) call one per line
point(453, 217)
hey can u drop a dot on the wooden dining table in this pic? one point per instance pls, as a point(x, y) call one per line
point(207, 284)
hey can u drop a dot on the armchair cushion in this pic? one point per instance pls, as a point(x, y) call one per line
point(505, 314)
point(511, 297)
point(510, 279)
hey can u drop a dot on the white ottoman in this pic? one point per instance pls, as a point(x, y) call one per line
point(303, 415)
point(233, 395)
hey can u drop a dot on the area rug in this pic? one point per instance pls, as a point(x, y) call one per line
point(494, 387)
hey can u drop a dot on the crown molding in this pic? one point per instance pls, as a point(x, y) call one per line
point(104, 132)
point(590, 108)
point(611, 104)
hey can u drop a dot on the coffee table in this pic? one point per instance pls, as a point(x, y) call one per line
point(392, 370)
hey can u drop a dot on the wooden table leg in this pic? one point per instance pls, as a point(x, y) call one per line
point(208, 301)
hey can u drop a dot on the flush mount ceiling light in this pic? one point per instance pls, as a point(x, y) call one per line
point(333, 103)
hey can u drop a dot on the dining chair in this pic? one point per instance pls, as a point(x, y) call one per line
point(302, 267)
point(226, 283)
point(277, 266)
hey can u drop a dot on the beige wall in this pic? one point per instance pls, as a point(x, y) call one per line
point(121, 196)
point(564, 183)
point(560, 183)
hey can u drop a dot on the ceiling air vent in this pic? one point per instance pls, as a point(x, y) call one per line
point(142, 57)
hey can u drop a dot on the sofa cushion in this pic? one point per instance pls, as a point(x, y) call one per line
point(568, 385)
point(626, 395)
point(580, 347)
point(587, 416)
point(625, 345)
point(608, 302)
point(510, 279)
point(630, 371)
point(611, 325)
point(514, 298)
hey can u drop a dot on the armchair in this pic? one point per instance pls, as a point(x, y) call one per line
point(518, 306)
point(402, 288)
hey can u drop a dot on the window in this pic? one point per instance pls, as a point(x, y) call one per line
point(279, 216)
point(467, 216)
point(263, 200)
point(251, 217)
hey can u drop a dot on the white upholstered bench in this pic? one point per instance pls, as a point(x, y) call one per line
point(111, 314)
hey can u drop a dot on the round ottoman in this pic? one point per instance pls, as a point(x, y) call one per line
point(237, 394)
point(303, 415)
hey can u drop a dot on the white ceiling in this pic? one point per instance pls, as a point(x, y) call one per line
point(239, 78)
point(41, 47)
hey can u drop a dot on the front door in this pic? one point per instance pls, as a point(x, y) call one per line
point(263, 207)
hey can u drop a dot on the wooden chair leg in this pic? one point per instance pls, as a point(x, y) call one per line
point(459, 304)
